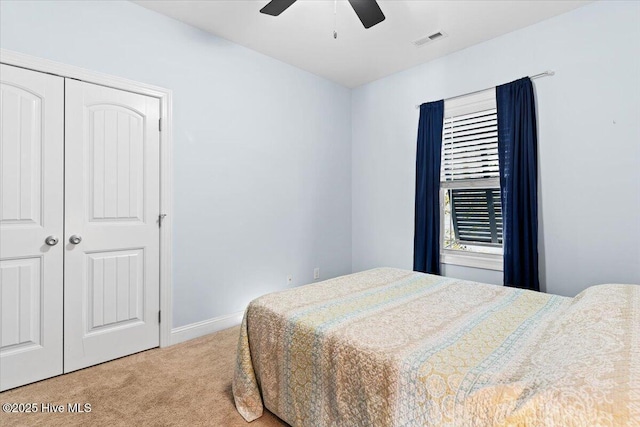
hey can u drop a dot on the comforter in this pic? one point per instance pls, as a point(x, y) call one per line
point(389, 347)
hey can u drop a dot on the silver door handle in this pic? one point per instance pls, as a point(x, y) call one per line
point(75, 239)
point(51, 240)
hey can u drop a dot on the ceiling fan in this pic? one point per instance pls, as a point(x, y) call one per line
point(368, 11)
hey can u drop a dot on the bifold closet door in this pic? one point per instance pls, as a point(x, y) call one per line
point(31, 221)
point(111, 267)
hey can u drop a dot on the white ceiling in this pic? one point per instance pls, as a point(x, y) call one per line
point(303, 34)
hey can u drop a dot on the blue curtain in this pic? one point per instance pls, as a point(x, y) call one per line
point(517, 149)
point(426, 241)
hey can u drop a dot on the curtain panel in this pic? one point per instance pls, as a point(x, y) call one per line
point(426, 244)
point(517, 152)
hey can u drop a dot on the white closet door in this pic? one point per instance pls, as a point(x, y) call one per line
point(112, 204)
point(31, 209)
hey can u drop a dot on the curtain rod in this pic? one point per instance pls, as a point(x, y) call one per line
point(535, 76)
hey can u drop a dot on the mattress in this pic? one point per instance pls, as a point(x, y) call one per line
point(390, 347)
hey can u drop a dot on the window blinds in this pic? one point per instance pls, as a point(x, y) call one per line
point(477, 216)
point(470, 146)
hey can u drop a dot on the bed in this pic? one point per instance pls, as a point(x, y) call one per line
point(390, 347)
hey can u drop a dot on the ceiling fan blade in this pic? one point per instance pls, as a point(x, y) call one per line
point(276, 7)
point(368, 11)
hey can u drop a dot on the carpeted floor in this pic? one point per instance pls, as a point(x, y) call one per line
point(188, 384)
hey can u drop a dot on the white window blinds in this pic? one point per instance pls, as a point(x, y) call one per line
point(470, 176)
point(470, 146)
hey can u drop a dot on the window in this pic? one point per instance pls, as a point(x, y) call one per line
point(471, 213)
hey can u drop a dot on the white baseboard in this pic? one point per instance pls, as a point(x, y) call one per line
point(198, 329)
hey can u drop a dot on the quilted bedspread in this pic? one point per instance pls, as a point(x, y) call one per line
point(389, 347)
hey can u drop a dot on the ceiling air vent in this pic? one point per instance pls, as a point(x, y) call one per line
point(431, 37)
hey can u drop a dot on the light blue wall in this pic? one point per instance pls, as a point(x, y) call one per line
point(589, 145)
point(262, 155)
point(269, 159)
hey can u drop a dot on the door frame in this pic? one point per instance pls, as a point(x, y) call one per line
point(42, 65)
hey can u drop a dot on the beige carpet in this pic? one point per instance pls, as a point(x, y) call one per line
point(188, 384)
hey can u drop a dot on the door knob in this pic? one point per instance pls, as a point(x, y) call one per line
point(51, 240)
point(75, 239)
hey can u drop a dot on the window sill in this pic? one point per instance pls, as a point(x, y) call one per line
point(475, 260)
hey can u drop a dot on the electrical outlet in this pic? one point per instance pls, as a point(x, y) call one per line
point(290, 279)
point(316, 273)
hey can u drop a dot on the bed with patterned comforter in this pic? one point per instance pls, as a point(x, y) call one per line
point(389, 347)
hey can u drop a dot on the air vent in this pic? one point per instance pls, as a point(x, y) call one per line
point(431, 37)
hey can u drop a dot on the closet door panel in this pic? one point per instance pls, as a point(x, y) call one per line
point(112, 186)
point(31, 211)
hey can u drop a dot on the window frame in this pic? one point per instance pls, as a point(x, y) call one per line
point(462, 105)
